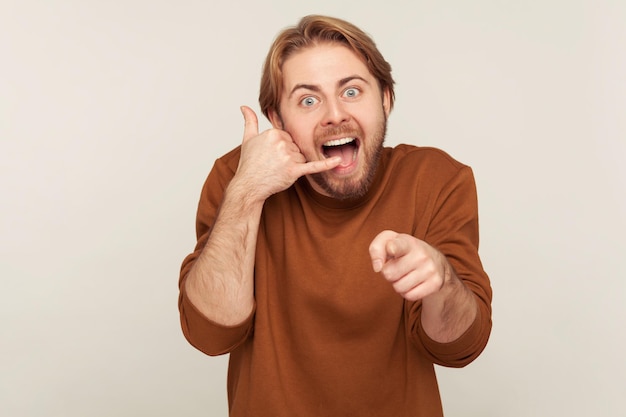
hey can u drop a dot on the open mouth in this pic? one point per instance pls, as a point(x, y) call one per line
point(347, 148)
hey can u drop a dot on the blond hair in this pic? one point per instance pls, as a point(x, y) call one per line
point(310, 31)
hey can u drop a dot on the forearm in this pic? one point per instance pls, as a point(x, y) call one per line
point(221, 282)
point(448, 313)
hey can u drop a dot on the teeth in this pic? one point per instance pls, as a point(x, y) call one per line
point(339, 142)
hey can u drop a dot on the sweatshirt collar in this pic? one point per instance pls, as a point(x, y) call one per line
point(304, 187)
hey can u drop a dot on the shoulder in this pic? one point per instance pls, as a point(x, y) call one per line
point(229, 161)
point(425, 160)
point(222, 172)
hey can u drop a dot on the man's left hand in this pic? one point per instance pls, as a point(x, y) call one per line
point(413, 267)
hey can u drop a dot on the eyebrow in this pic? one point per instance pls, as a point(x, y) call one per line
point(317, 89)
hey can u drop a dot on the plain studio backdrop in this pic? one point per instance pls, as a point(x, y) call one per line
point(112, 113)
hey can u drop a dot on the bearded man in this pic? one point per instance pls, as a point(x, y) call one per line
point(335, 271)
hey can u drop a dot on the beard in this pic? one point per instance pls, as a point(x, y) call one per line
point(351, 188)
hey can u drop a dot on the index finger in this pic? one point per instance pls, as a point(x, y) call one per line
point(380, 247)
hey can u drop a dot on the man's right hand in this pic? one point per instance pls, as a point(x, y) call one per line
point(271, 161)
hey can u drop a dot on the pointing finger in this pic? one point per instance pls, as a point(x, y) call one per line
point(379, 249)
point(251, 126)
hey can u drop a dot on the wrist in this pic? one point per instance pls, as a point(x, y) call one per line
point(244, 195)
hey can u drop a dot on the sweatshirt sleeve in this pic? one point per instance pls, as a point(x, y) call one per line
point(453, 230)
point(201, 332)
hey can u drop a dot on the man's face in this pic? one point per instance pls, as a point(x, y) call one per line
point(332, 105)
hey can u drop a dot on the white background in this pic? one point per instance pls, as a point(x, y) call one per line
point(112, 113)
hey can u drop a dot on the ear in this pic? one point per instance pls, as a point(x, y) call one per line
point(275, 119)
point(387, 101)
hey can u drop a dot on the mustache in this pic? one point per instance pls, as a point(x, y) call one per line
point(334, 132)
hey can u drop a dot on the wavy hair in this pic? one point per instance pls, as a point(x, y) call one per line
point(312, 30)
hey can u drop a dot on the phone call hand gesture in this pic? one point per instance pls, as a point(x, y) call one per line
point(271, 161)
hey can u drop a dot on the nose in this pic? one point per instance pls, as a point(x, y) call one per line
point(335, 113)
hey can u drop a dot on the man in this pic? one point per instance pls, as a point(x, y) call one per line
point(333, 270)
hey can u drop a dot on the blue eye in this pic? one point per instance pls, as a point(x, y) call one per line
point(351, 92)
point(308, 101)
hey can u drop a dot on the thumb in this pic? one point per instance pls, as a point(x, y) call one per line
point(251, 123)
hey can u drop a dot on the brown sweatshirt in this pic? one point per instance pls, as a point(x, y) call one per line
point(328, 336)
